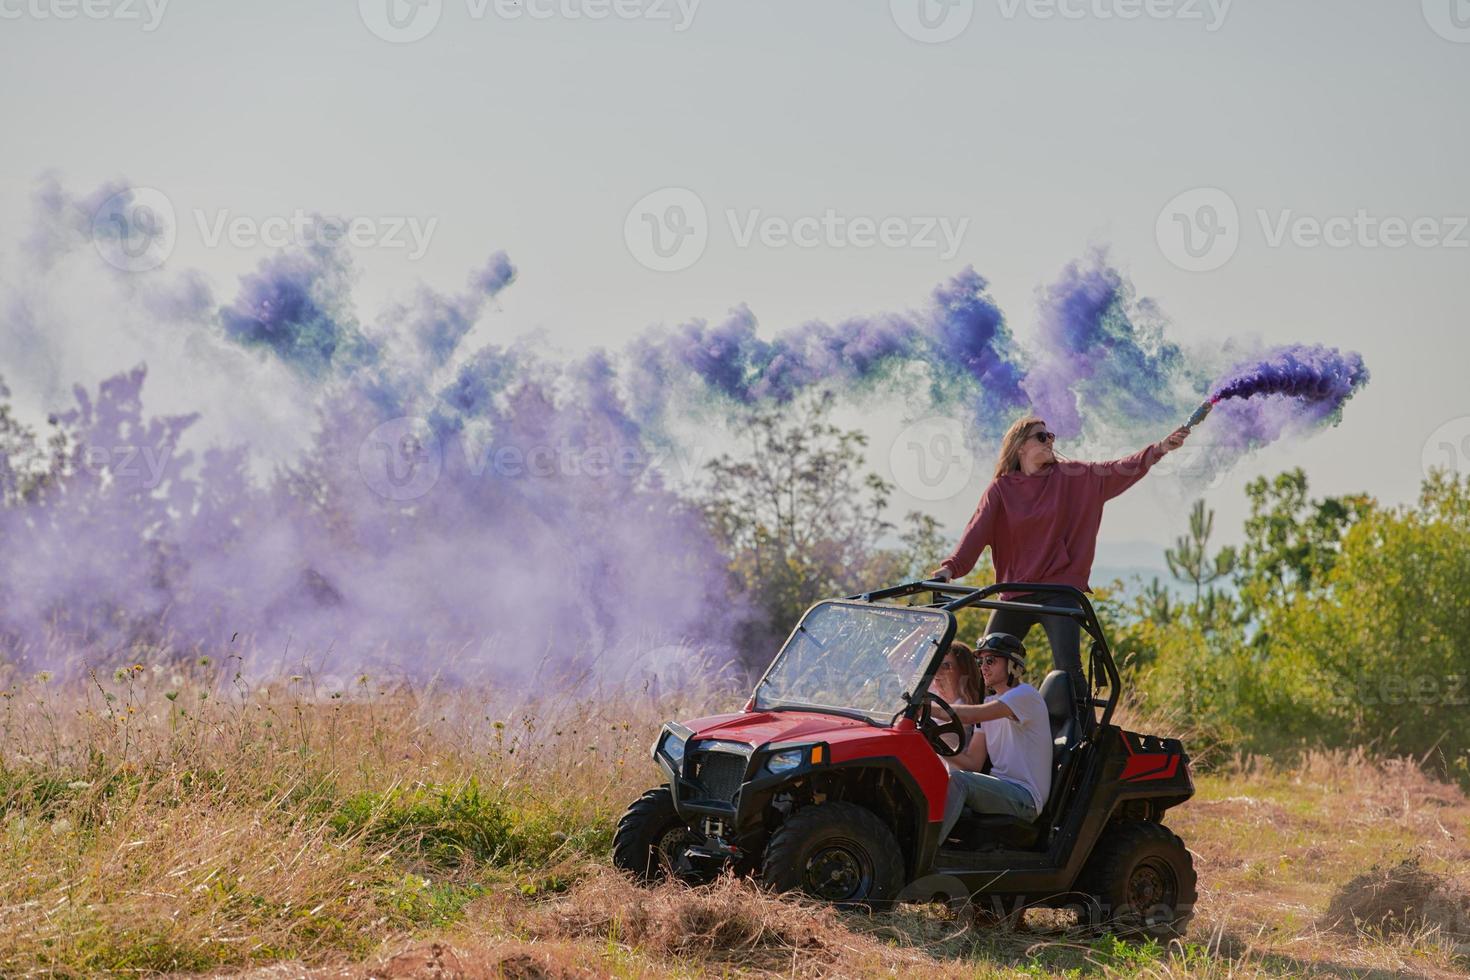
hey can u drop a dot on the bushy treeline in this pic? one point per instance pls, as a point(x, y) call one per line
point(1347, 625)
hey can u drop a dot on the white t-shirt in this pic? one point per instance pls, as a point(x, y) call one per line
point(1020, 750)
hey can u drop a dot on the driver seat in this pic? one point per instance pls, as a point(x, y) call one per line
point(975, 830)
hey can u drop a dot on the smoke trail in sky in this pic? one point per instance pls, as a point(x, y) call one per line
point(958, 349)
point(1101, 353)
point(464, 508)
point(1285, 389)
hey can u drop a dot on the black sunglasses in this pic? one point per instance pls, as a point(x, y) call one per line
point(987, 661)
point(1044, 437)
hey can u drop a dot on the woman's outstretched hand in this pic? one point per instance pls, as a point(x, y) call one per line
point(939, 575)
point(1174, 439)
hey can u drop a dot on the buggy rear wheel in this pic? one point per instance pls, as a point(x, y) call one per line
point(1143, 879)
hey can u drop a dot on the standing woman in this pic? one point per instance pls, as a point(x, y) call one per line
point(1040, 517)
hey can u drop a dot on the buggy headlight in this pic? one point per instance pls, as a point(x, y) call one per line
point(785, 761)
point(673, 748)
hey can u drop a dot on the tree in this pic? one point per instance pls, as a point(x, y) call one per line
point(1291, 542)
point(1382, 655)
point(1189, 559)
point(801, 520)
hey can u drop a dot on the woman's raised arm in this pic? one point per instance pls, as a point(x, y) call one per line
point(1118, 475)
point(978, 533)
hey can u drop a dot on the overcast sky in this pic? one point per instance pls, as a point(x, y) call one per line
point(1006, 135)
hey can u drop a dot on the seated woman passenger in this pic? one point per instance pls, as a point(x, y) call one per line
point(958, 678)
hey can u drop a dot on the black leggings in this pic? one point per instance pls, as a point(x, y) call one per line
point(1064, 633)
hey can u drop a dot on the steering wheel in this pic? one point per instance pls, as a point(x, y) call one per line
point(936, 732)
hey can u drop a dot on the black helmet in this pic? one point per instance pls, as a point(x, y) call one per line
point(1005, 645)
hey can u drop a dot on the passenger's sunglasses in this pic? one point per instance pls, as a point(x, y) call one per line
point(987, 661)
point(1044, 437)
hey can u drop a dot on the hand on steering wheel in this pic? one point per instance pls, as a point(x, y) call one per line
point(937, 732)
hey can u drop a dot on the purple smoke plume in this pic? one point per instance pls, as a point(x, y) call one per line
point(1101, 353)
point(1284, 390)
point(960, 342)
point(464, 508)
point(1314, 373)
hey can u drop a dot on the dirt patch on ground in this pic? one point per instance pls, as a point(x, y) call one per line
point(1401, 898)
point(730, 920)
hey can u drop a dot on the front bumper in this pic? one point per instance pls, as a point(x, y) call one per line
point(726, 785)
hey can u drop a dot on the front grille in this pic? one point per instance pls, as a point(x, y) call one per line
point(719, 774)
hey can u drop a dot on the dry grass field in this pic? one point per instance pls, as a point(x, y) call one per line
point(165, 822)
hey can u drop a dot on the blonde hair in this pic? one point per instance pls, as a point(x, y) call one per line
point(1011, 443)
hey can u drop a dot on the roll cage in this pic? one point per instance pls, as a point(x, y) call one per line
point(1099, 668)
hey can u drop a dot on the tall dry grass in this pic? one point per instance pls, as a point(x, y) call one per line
point(161, 820)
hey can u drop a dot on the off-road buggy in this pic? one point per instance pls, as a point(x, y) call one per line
point(830, 780)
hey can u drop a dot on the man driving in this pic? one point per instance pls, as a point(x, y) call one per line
point(1013, 732)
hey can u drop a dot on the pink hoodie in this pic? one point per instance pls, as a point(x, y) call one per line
point(1043, 528)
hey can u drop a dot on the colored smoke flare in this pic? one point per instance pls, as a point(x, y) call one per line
point(1200, 413)
point(1313, 373)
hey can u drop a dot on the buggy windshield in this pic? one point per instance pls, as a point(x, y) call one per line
point(853, 657)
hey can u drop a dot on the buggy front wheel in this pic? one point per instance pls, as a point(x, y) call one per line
point(836, 852)
point(651, 839)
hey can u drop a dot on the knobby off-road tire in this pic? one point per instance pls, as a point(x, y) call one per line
point(1142, 877)
point(836, 852)
point(650, 839)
